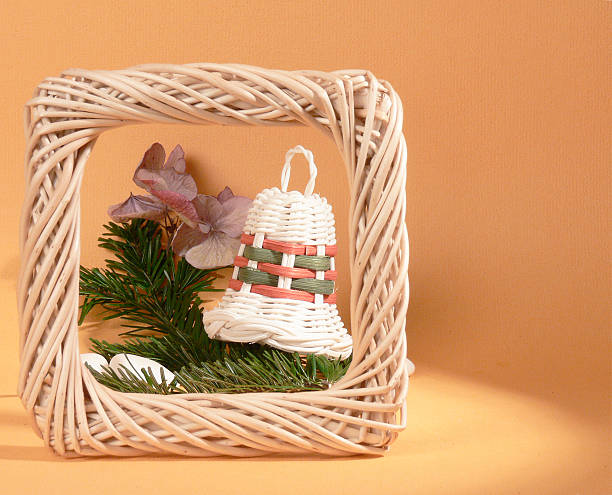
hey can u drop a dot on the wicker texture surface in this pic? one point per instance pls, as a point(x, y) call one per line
point(73, 413)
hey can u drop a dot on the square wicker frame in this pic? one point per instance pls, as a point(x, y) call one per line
point(77, 416)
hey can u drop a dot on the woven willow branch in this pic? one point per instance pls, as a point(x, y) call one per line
point(76, 415)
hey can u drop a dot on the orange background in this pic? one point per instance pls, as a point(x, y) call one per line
point(506, 122)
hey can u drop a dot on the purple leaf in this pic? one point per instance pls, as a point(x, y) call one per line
point(235, 211)
point(179, 204)
point(183, 184)
point(216, 250)
point(176, 160)
point(224, 195)
point(153, 159)
point(167, 180)
point(147, 207)
point(187, 237)
point(209, 209)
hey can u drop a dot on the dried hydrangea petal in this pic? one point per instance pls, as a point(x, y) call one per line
point(179, 205)
point(137, 206)
point(187, 237)
point(235, 211)
point(216, 250)
point(152, 160)
point(176, 160)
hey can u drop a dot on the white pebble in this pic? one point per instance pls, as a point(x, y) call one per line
point(137, 363)
point(410, 367)
point(95, 361)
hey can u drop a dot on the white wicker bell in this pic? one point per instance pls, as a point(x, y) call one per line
point(282, 292)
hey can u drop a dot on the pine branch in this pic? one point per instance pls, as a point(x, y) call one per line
point(268, 371)
point(143, 284)
point(230, 366)
point(127, 381)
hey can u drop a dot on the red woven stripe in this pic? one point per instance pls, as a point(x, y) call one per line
point(288, 247)
point(266, 290)
point(285, 271)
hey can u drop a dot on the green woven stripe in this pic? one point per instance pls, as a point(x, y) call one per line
point(254, 276)
point(320, 263)
point(314, 286)
point(263, 255)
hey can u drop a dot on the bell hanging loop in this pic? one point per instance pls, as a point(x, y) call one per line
point(286, 174)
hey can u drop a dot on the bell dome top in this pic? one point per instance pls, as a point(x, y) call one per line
point(292, 216)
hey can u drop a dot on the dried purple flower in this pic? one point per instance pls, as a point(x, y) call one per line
point(168, 181)
point(215, 240)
